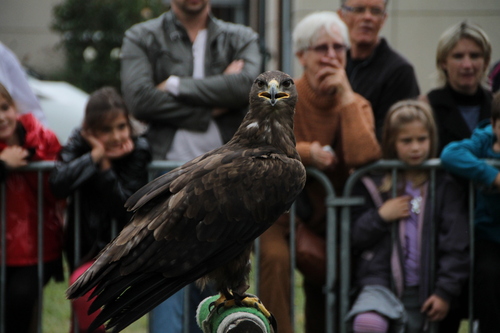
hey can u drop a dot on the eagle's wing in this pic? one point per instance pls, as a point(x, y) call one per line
point(188, 222)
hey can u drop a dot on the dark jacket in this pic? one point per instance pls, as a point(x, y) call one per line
point(102, 193)
point(372, 247)
point(155, 49)
point(450, 123)
point(383, 79)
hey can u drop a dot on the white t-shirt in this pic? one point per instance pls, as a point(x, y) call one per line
point(189, 144)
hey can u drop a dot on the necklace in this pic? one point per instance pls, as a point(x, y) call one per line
point(415, 204)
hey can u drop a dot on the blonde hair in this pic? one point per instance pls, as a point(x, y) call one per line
point(308, 30)
point(452, 36)
point(399, 115)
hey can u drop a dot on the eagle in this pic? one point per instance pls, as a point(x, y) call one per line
point(198, 222)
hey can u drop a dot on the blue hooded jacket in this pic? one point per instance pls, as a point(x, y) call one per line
point(465, 158)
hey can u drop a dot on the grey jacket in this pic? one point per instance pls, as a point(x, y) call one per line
point(155, 49)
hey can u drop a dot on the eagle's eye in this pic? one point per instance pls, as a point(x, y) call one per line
point(260, 83)
point(287, 83)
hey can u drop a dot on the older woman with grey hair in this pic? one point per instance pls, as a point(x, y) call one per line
point(335, 132)
point(462, 59)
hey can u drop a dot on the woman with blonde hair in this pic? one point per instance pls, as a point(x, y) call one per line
point(462, 59)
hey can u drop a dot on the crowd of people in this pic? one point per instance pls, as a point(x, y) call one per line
point(187, 75)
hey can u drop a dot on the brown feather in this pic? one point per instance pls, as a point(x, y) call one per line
point(199, 221)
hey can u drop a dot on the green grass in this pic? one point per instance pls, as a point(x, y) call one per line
point(57, 313)
point(56, 310)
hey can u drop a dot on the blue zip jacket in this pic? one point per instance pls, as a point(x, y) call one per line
point(465, 158)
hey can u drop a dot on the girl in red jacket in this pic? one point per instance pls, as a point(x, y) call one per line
point(22, 140)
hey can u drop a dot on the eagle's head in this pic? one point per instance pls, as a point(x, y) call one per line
point(274, 91)
point(270, 117)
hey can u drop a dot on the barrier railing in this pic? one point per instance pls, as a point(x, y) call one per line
point(39, 168)
point(334, 300)
point(394, 166)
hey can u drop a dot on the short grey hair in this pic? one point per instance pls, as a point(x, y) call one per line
point(452, 36)
point(307, 31)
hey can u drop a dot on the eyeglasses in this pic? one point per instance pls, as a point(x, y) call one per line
point(323, 49)
point(375, 11)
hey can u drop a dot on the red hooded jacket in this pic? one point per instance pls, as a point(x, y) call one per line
point(22, 207)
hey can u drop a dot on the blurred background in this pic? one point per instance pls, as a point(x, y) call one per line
point(79, 41)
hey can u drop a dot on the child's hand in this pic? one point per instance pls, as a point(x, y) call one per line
point(98, 150)
point(395, 209)
point(120, 151)
point(14, 156)
point(435, 307)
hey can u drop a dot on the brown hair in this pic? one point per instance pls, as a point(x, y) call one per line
point(402, 113)
point(5, 94)
point(103, 105)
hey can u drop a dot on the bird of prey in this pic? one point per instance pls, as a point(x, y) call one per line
point(199, 221)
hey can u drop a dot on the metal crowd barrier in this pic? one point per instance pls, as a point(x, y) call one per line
point(336, 302)
point(393, 166)
point(40, 168)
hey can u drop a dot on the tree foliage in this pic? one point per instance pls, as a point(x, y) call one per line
point(92, 33)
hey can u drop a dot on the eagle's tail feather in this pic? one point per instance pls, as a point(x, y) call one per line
point(88, 280)
point(126, 306)
point(111, 290)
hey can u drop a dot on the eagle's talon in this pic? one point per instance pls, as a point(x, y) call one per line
point(217, 303)
point(253, 301)
point(211, 306)
point(221, 302)
point(217, 309)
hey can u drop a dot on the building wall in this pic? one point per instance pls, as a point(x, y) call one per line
point(413, 28)
point(25, 29)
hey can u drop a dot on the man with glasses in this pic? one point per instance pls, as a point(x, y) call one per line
point(375, 70)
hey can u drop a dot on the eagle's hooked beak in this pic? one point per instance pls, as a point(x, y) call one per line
point(273, 93)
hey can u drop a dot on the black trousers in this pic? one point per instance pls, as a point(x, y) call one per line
point(21, 295)
point(487, 285)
